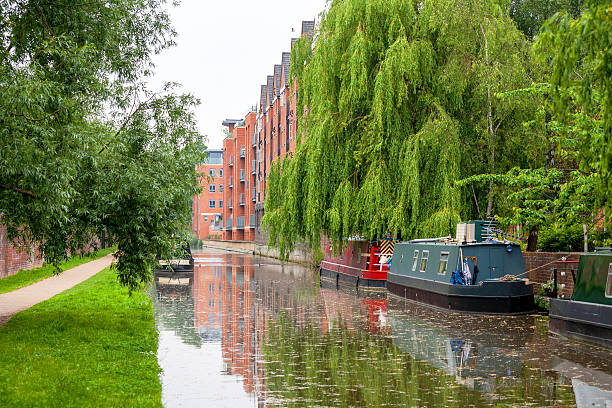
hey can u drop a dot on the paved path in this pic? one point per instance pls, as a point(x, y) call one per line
point(24, 298)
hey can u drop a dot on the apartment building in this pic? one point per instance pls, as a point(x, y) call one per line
point(240, 169)
point(207, 214)
point(277, 125)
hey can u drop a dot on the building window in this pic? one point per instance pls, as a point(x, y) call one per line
point(443, 263)
point(206, 218)
point(415, 258)
point(211, 188)
point(220, 203)
point(211, 203)
point(609, 282)
point(424, 257)
point(220, 188)
point(211, 172)
point(220, 172)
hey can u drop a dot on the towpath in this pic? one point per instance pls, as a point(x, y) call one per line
point(24, 298)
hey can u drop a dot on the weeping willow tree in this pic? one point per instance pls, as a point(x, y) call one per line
point(396, 103)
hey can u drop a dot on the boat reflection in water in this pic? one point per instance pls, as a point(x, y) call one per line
point(248, 331)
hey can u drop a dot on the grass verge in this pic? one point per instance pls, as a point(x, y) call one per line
point(91, 346)
point(27, 277)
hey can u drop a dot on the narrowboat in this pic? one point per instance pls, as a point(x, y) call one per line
point(471, 273)
point(362, 263)
point(587, 315)
point(183, 264)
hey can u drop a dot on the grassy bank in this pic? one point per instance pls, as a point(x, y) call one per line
point(27, 277)
point(91, 346)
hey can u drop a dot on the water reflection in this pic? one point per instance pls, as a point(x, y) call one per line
point(247, 331)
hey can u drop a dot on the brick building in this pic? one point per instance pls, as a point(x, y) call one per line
point(207, 207)
point(240, 169)
point(267, 133)
point(276, 125)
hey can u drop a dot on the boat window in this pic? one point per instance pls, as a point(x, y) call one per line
point(424, 261)
point(609, 282)
point(443, 263)
point(415, 258)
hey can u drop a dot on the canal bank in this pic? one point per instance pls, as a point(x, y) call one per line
point(91, 346)
point(250, 331)
point(300, 255)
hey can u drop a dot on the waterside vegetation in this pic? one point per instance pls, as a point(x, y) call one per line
point(414, 115)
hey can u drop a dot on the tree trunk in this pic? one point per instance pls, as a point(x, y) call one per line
point(490, 125)
point(532, 240)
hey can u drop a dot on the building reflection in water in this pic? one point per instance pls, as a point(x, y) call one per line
point(278, 332)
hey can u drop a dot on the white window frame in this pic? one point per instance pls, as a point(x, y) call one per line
point(213, 202)
point(424, 257)
point(212, 188)
point(446, 267)
point(415, 259)
point(608, 291)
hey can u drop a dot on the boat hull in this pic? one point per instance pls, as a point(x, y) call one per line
point(581, 320)
point(491, 297)
point(363, 279)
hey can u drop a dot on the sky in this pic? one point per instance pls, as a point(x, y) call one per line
point(225, 49)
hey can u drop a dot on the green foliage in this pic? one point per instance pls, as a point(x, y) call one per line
point(85, 146)
point(396, 103)
point(91, 346)
point(530, 15)
point(573, 44)
point(554, 238)
point(27, 277)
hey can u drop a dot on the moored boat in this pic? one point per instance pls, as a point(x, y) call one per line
point(362, 263)
point(183, 264)
point(587, 315)
point(466, 274)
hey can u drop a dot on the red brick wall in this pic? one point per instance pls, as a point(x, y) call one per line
point(13, 258)
point(542, 264)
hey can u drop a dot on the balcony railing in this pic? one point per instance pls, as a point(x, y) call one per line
point(242, 152)
point(253, 167)
point(241, 200)
point(252, 221)
point(242, 175)
point(240, 222)
point(228, 223)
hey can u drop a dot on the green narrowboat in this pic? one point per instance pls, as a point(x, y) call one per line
point(587, 315)
point(465, 274)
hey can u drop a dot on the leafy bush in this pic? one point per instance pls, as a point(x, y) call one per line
point(558, 239)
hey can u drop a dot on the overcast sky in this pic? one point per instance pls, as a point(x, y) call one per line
point(225, 49)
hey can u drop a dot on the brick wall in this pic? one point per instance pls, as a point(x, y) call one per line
point(541, 265)
point(14, 257)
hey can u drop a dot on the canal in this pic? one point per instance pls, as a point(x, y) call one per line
point(246, 331)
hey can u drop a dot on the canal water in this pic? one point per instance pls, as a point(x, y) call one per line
point(245, 331)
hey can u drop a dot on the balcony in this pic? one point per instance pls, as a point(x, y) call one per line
point(228, 223)
point(253, 167)
point(252, 221)
point(241, 200)
point(242, 175)
point(240, 222)
point(242, 152)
